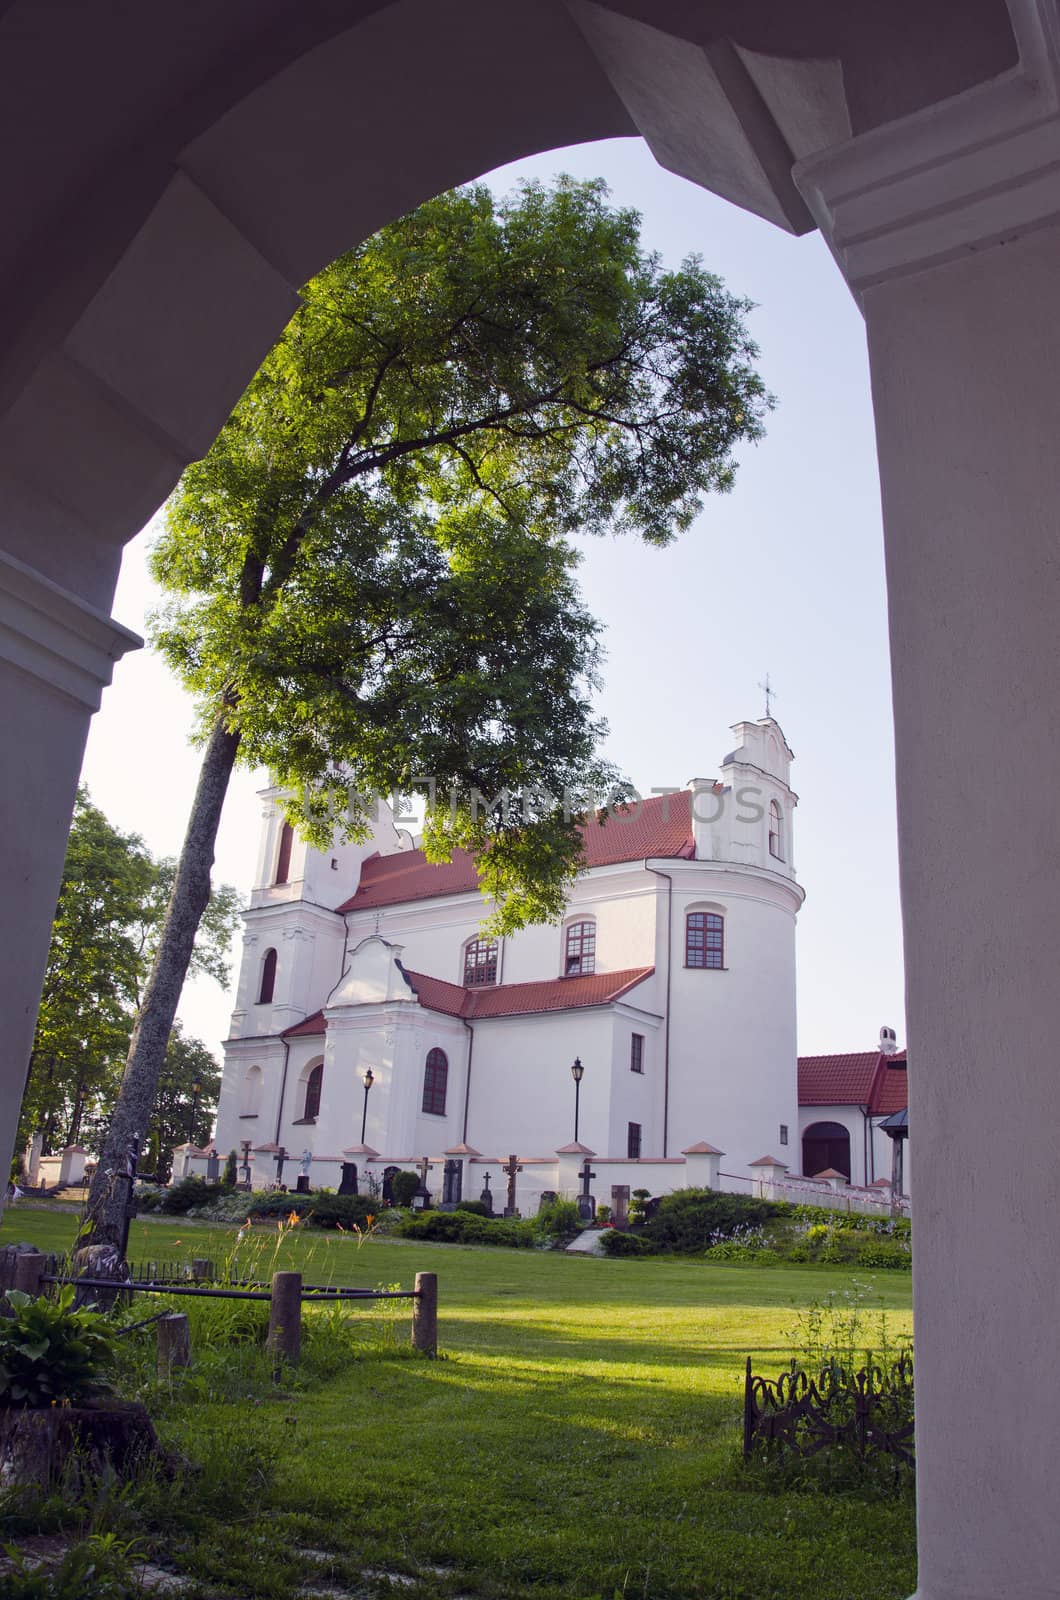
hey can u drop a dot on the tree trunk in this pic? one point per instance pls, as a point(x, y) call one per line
point(147, 1048)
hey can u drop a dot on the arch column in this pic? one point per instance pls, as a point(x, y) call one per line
point(947, 227)
point(57, 654)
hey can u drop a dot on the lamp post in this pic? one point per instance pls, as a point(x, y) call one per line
point(196, 1091)
point(368, 1080)
point(576, 1072)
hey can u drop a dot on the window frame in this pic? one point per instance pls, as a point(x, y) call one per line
point(313, 1084)
point(709, 943)
point(489, 964)
point(636, 1053)
point(267, 978)
point(435, 1071)
point(283, 855)
point(776, 831)
point(634, 1140)
point(584, 930)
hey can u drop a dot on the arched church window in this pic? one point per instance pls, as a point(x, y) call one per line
point(313, 1084)
point(435, 1082)
point(268, 978)
point(480, 962)
point(283, 858)
point(776, 831)
point(704, 939)
point(579, 952)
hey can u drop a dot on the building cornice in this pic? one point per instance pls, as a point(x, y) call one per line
point(56, 637)
point(953, 178)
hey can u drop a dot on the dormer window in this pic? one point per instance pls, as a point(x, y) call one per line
point(480, 963)
point(776, 831)
point(579, 950)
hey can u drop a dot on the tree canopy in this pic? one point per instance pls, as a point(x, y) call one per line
point(370, 571)
point(106, 929)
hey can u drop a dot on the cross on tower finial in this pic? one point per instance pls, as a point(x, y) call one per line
point(770, 694)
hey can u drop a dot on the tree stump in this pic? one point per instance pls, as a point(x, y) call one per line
point(174, 1343)
point(74, 1444)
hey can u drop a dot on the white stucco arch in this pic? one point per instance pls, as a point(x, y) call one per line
point(180, 169)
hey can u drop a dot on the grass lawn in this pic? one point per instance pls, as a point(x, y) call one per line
point(579, 1440)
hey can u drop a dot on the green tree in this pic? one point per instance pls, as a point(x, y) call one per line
point(91, 985)
point(369, 571)
point(106, 932)
point(178, 1114)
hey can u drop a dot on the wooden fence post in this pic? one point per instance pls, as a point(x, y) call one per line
point(425, 1314)
point(174, 1343)
point(285, 1317)
point(201, 1269)
point(29, 1267)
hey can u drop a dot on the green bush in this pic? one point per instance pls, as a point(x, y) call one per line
point(615, 1243)
point(50, 1353)
point(476, 1207)
point(189, 1193)
point(275, 1204)
point(403, 1186)
point(689, 1221)
point(558, 1219)
point(340, 1210)
point(462, 1227)
point(885, 1253)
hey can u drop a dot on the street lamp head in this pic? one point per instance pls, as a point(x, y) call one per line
point(577, 1070)
point(368, 1078)
point(196, 1087)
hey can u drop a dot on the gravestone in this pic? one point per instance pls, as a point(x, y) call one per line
point(213, 1167)
point(302, 1183)
point(245, 1168)
point(389, 1174)
point(486, 1197)
point(452, 1183)
point(348, 1178)
point(620, 1205)
point(586, 1200)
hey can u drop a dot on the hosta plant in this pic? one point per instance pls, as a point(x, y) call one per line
point(50, 1353)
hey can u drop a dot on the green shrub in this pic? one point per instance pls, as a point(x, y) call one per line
point(188, 1194)
point(615, 1243)
point(403, 1186)
point(231, 1172)
point(688, 1221)
point(885, 1253)
point(339, 1210)
point(275, 1204)
point(462, 1227)
point(476, 1207)
point(558, 1219)
point(51, 1353)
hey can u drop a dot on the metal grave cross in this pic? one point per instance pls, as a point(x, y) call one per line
point(281, 1157)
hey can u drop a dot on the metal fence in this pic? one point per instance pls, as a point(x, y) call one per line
point(869, 1412)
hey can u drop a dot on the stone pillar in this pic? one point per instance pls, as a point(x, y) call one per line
point(703, 1161)
point(56, 654)
point(569, 1169)
point(33, 1155)
point(948, 229)
point(769, 1173)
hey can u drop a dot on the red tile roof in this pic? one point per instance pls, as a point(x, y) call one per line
point(864, 1079)
point(519, 999)
point(312, 1024)
point(661, 826)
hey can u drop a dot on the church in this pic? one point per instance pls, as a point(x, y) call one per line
point(653, 1031)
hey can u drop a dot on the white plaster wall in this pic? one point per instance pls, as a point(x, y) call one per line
point(232, 1127)
point(636, 1096)
point(522, 1091)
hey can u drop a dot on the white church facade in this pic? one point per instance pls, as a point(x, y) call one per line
point(377, 1026)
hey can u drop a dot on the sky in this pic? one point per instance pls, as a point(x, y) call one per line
point(783, 576)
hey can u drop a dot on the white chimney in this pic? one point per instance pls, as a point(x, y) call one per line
point(888, 1042)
